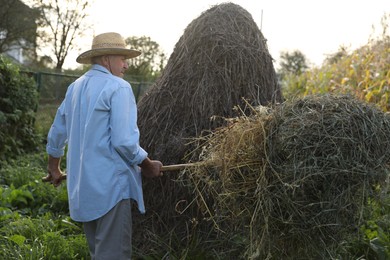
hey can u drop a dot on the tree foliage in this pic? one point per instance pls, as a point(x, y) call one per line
point(152, 60)
point(17, 26)
point(18, 101)
point(292, 63)
point(62, 23)
point(337, 56)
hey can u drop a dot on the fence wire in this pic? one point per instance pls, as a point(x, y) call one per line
point(52, 86)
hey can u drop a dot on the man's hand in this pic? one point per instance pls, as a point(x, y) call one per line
point(151, 168)
point(54, 175)
point(54, 178)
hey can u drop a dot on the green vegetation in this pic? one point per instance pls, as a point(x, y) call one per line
point(18, 101)
point(363, 73)
point(44, 118)
point(34, 216)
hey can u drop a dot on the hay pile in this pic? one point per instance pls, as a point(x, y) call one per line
point(221, 58)
point(293, 181)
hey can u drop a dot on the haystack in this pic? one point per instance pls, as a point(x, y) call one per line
point(293, 182)
point(221, 58)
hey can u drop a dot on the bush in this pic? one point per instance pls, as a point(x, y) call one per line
point(18, 103)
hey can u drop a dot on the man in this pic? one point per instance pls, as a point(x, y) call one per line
point(97, 120)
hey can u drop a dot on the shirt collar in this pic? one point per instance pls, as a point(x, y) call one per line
point(100, 68)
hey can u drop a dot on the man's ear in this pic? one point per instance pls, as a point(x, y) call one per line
point(105, 60)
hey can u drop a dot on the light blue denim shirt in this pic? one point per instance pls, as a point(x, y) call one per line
point(98, 122)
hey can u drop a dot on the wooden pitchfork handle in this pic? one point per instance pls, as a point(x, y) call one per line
point(176, 167)
point(164, 168)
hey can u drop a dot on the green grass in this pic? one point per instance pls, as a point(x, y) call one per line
point(44, 117)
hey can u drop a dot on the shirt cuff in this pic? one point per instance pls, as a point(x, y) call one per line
point(56, 153)
point(142, 154)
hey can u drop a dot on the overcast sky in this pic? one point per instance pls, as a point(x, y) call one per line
point(314, 27)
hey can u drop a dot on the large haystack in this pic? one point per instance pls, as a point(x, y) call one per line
point(294, 182)
point(221, 58)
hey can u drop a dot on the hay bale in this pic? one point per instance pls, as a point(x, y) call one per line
point(294, 181)
point(221, 58)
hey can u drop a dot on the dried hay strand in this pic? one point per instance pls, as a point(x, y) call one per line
point(294, 181)
point(233, 156)
point(221, 58)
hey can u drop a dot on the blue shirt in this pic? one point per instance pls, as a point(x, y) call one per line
point(98, 121)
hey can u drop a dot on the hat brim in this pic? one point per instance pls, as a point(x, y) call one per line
point(85, 58)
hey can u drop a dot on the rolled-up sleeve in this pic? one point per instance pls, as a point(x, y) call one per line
point(57, 136)
point(124, 129)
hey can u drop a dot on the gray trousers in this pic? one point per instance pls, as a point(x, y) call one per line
point(109, 237)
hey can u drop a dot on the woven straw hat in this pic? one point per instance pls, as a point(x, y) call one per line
point(107, 44)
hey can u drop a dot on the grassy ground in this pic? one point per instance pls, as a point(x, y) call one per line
point(45, 116)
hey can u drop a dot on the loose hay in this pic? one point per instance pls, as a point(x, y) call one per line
point(294, 181)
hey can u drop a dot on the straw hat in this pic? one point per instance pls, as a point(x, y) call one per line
point(107, 44)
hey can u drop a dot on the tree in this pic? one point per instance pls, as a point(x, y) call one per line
point(62, 22)
point(337, 56)
point(152, 60)
point(18, 27)
point(292, 63)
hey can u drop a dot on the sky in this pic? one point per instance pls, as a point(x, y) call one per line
point(315, 27)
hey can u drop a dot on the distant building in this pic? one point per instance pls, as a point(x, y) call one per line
point(15, 52)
